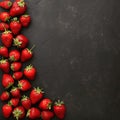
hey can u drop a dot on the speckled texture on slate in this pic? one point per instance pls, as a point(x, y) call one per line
point(77, 55)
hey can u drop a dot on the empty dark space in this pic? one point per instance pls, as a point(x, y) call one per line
point(77, 55)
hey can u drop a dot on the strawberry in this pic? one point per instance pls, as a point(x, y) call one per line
point(15, 92)
point(7, 38)
point(6, 4)
point(18, 8)
point(20, 41)
point(36, 95)
point(3, 26)
point(17, 75)
point(26, 102)
point(4, 16)
point(15, 26)
point(4, 51)
point(5, 65)
point(6, 110)
point(47, 115)
point(25, 20)
point(33, 113)
point(14, 102)
point(45, 104)
point(5, 96)
point(30, 72)
point(14, 55)
point(24, 85)
point(16, 66)
point(26, 54)
point(19, 112)
point(59, 109)
point(7, 80)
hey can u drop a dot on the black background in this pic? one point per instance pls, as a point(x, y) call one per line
point(77, 55)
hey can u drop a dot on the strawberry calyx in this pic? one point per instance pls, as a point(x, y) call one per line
point(7, 32)
point(29, 67)
point(24, 97)
point(9, 85)
point(12, 67)
point(21, 3)
point(49, 106)
point(26, 15)
point(13, 89)
point(3, 61)
point(38, 90)
point(17, 113)
point(28, 113)
point(15, 19)
point(16, 42)
point(9, 3)
point(19, 85)
point(12, 58)
point(30, 50)
point(1, 47)
point(59, 103)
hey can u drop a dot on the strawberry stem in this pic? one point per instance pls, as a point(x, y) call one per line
point(32, 47)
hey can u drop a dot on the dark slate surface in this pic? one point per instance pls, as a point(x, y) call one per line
point(77, 55)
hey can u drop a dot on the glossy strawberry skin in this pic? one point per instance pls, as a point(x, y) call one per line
point(16, 66)
point(3, 26)
point(14, 102)
point(15, 26)
point(15, 92)
point(26, 55)
point(5, 66)
point(18, 8)
point(21, 112)
point(6, 4)
point(7, 38)
point(47, 115)
point(21, 41)
point(5, 96)
point(33, 113)
point(7, 80)
point(17, 75)
point(25, 20)
point(4, 16)
point(26, 102)
point(4, 51)
point(45, 104)
point(36, 95)
point(14, 55)
point(24, 85)
point(6, 110)
point(30, 72)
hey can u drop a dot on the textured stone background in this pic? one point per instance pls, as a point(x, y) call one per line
point(77, 55)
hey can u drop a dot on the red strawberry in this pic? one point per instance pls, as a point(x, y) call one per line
point(16, 66)
point(47, 115)
point(59, 109)
point(3, 26)
point(3, 51)
point(30, 72)
point(7, 80)
point(6, 4)
point(36, 95)
point(24, 85)
point(26, 54)
point(17, 75)
point(5, 96)
point(26, 102)
point(14, 55)
point(25, 20)
point(15, 26)
point(6, 110)
point(15, 92)
point(20, 41)
point(7, 38)
point(14, 102)
point(19, 7)
point(5, 65)
point(19, 112)
point(4, 16)
point(45, 104)
point(33, 113)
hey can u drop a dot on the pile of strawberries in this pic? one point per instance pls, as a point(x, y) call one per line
point(17, 82)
